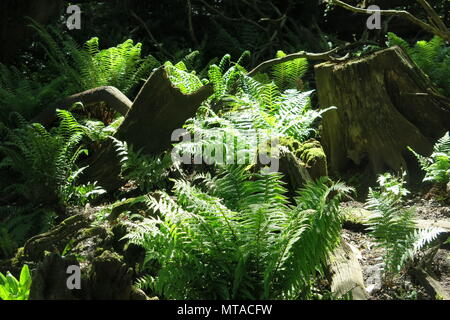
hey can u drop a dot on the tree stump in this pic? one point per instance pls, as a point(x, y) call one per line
point(385, 103)
point(301, 163)
point(158, 110)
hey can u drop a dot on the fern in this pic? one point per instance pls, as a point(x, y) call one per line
point(97, 132)
point(247, 107)
point(19, 223)
point(211, 246)
point(45, 161)
point(89, 67)
point(180, 77)
point(72, 69)
point(24, 92)
point(147, 172)
point(393, 227)
point(437, 166)
point(288, 75)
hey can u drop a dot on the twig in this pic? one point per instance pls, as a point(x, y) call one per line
point(400, 13)
point(191, 26)
point(150, 34)
point(434, 17)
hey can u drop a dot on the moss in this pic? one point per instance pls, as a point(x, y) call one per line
point(18, 258)
point(311, 151)
point(131, 204)
point(311, 155)
point(308, 152)
point(109, 256)
point(93, 232)
point(291, 143)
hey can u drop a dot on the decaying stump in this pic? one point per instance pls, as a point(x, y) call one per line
point(158, 110)
point(385, 103)
point(302, 163)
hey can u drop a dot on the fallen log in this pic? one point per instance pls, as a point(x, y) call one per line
point(112, 96)
point(347, 276)
point(431, 285)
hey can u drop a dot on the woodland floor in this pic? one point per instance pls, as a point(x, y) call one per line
point(370, 257)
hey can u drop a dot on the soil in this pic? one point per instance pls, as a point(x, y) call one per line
point(430, 209)
point(370, 258)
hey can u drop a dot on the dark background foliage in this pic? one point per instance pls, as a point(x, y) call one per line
point(169, 29)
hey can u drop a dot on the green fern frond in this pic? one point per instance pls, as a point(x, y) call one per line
point(187, 82)
point(393, 228)
point(437, 165)
point(260, 249)
point(287, 75)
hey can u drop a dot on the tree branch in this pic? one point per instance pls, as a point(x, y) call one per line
point(311, 56)
point(191, 25)
point(400, 13)
point(434, 17)
point(157, 45)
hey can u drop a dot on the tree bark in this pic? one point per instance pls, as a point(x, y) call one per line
point(385, 103)
point(307, 163)
point(112, 96)
point(158, 110)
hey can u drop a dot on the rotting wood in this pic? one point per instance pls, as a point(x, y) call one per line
point(431, 285)
point(377, 119)
point(347, 276)
point(158, 110)
point(113, 97)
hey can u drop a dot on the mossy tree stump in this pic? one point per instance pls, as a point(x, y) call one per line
point(158, 110)
point(302, 162)
point(385, 103)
